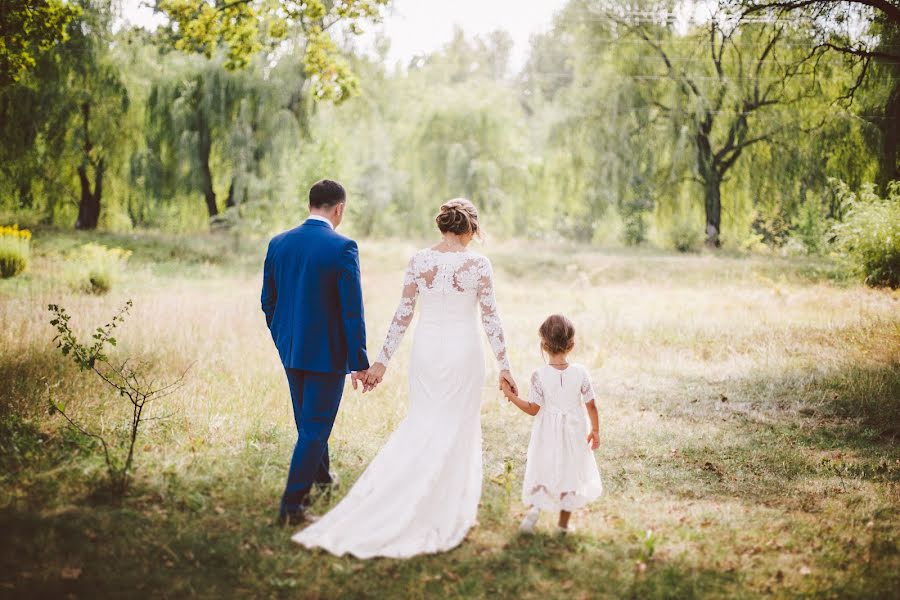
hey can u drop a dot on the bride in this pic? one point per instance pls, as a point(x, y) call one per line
point(420, 493)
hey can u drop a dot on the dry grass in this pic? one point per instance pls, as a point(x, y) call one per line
point(750, 416)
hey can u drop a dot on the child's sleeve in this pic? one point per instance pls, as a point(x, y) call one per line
point(587, 388)
point(536, 394)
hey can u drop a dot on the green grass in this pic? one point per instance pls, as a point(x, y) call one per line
point(749, 416)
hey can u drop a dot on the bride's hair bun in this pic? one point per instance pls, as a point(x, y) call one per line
point(557, 334)
point(458, 216)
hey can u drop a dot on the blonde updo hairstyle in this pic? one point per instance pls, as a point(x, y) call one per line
point(458, 216)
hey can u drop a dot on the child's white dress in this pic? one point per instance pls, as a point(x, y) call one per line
point(561, 472)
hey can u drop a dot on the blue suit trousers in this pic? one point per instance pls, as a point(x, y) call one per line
point(315, 397)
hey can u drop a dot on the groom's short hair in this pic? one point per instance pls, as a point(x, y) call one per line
point(326, 193)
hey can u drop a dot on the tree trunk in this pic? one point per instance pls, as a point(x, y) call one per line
point(89, 206)
point(890, 139)
point(229, 200)
point(26, 199)
point(204, 148)
point(712, 183)
point(712, 196)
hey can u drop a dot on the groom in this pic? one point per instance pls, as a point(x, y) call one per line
point(313, 302)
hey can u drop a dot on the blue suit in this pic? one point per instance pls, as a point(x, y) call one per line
point(312, 299)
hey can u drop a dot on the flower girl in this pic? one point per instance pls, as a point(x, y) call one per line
point(561, 472)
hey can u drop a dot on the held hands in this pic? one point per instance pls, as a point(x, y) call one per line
point(507, 382)
point(358, 377)
point(593, 439)
point(371, 378)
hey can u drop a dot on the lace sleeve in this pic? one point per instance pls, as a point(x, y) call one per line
point(587, 388)
point(490, 318)
point(536, 394)
point(402, 317)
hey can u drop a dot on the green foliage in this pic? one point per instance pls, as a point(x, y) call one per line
point(247, 27)
point(12, 263)
point(29, 28)
point(869, 236)
point(685, 235)
point(15, 248)
point(811, 226)
point(595, 140)
point(129, 380)
point(94, 268)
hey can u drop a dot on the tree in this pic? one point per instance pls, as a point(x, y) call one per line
point(63, 121)
point(211, 128)
point(28, 28)
point(873, 57)
point(98, 102)
point(245, 27)
point(724, 95)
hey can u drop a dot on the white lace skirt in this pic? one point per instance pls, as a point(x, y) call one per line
point(420, 493)
point(561, 472)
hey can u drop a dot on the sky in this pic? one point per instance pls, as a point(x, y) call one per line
point(422, 26)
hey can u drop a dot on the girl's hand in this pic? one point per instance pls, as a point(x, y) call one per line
point(593, 439)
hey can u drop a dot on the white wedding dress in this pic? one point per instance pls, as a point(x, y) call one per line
point(420, 493)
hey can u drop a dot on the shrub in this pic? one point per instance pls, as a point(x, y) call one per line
point(15, 248)
point(810, 227)
point(93, 268)
point(869, 236)
point(128, 379)
point(685, 236)
point(100, 282)
point(11, 263)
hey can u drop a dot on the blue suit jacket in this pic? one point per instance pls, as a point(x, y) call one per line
point(312, 298)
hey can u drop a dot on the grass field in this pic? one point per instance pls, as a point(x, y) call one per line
point(750, 419)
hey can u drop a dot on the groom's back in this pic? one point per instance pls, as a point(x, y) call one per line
point(301, 296)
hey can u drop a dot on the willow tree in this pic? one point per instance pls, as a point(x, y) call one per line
point(100, 100)
point(243, 28)
point(63, 121)
point(203, 118)
point(872, 55)
point(727, 77)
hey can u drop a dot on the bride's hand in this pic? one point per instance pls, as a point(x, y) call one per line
point(508, 378)
point(374, 376)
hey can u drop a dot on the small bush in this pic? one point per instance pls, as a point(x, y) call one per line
point(685, 236)
point(15, 248)
point(810, 227)
point(11, 263)
point(869, 236)
point(93, 268)
point(129, 379)
point(100, 283)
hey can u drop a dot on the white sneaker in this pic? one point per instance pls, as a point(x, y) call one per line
point(530, 520)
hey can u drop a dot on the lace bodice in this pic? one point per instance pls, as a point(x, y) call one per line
point(563, 388)
point(466, 273)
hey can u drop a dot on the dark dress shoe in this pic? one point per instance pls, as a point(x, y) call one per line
point(291, 518)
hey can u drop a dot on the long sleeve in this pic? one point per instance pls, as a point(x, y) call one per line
point(269, 294)
point(352, 314)
point(402, 317)
point(490, 318)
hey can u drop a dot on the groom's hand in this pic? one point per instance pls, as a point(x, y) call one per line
point(358, 377)
point(506, 377)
